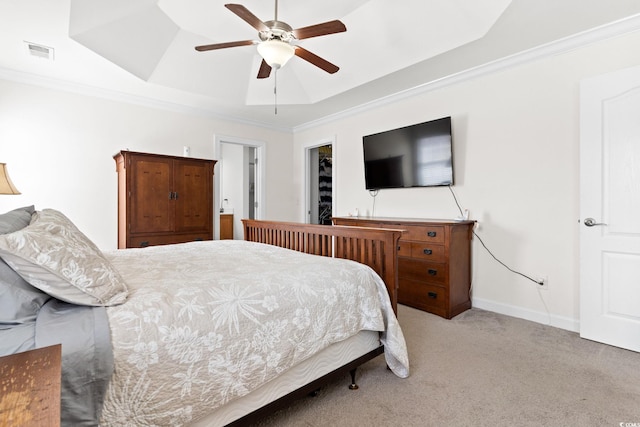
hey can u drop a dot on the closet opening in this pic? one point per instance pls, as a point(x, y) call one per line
point(320, 173)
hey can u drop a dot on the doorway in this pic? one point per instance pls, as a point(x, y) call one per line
point(320, 190)
point(609, 209)
point(239, 180)
point(250, 161)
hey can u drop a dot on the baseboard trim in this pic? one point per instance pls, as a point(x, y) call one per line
point(544, 318)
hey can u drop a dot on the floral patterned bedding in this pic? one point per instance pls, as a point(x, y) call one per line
point(208, 322)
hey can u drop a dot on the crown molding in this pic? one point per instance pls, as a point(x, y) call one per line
point(113, 95)
point(598, 34)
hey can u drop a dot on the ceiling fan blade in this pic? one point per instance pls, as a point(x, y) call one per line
point(330, 27)
point(316, 60)
point(247, 16)
point(265, 70)
point(224, 45)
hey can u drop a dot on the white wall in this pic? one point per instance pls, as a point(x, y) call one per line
point(59, 149)
point(516, 148)
point(516, 142)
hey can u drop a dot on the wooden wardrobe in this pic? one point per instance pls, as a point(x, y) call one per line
point(163, 199)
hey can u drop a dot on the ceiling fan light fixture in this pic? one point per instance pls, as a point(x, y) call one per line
point(275, 52)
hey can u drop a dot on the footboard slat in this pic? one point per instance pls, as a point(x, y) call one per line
point(375, 247)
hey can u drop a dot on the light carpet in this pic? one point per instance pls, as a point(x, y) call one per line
point(483, 369)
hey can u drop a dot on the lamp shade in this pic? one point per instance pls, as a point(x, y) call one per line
point(6, 186)
point(276, 53)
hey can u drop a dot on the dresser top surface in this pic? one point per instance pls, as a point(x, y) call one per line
point(396, 220)
point(124, 153)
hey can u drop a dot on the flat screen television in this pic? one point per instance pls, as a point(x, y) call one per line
point(419, 155)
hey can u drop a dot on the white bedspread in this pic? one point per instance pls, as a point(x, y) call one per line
point(207, 322)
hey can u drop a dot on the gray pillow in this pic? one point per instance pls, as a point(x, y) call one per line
point(16, 219)
point(57, 258)
point(19, 301)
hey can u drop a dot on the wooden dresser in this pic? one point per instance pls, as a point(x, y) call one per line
point(434, 262)
point(163, 199)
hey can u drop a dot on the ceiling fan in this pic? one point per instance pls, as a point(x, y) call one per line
point(276, 44)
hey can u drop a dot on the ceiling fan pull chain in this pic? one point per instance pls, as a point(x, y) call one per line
point(275, 91)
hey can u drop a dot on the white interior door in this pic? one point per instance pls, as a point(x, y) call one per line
point(610, 209)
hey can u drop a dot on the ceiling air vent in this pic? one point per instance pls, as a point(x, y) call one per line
point(39, 50)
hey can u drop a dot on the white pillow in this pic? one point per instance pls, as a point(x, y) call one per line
point(55, 257)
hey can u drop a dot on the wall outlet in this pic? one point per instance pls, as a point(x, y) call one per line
point(545, 283)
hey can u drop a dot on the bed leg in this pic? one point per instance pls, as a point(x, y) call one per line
point(353, 385)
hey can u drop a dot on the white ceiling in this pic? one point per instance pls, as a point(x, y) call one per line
point(143, 50)
point(156, 40)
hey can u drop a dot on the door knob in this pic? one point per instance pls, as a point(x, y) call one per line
point(590, 222)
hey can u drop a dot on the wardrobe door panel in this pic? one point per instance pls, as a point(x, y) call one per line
point(193, 182)
point(150, 187)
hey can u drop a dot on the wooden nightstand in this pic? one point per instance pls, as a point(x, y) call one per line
point(226, 226)
point(30, 387)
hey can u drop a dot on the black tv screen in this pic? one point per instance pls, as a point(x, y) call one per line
point(419, 155)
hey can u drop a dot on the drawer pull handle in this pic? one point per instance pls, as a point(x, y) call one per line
point(432, 295)
point(431, 233)
point(432, 272)
point(427, 251)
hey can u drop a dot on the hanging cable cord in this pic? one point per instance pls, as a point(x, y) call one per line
point(373, 193)
point(487, 249)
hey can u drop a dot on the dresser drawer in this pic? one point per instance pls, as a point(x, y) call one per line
point(426, 233)
point(404, 249)
point(144, 241)
point(389, 226)
point(428, 252)
point(422, 295)
point(423, 271)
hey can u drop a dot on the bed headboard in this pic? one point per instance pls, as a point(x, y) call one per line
point(375, 247)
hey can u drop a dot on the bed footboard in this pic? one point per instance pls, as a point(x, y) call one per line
point(375, 247)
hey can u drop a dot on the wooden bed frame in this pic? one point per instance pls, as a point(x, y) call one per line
point(375, 247)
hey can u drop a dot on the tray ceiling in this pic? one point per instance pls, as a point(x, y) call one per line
point(143, 50)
